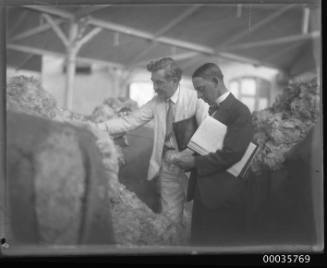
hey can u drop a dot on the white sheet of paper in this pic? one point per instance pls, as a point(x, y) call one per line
point(209, 136)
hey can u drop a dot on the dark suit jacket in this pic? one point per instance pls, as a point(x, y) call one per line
point(209, 175)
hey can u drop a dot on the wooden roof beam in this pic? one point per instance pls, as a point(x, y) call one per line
point(56, 28)
point(88, 37)
point(256, 26)
point(126, 30)
point(51, 10)
point(276, 41)
point(86, 11)
point(184, 15)
point(34, 31)
point(281, 52)
point(146, 35)
point(188, 12)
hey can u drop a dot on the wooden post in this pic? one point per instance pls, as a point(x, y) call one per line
point(306, 20)
point(73, 44)
point(70, 65)
point(70, 75)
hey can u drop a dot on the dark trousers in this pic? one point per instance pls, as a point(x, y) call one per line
point(217, 227)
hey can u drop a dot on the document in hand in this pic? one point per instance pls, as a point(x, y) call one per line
point(209, 138)
point(240, 168)
point(184, 131)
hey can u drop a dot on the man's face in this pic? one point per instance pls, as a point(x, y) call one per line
point(163, 87)
point(206, 89)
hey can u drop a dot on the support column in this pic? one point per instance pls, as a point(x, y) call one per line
point(70, 75)
point(73, 43)
point(317, 151)
point(70, 65)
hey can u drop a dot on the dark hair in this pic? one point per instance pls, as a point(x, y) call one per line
point(208, 71)
point(172, 71)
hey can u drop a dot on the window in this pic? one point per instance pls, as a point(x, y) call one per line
point(234, 88)
point(252, 91)
point(248, 87)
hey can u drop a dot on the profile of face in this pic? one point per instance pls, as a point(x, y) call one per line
point(207, 89)
point(164, 87)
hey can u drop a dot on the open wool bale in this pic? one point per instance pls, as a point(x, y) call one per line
point(133, 222)
point(57, 187)
point(283, 125)
point(25, 94)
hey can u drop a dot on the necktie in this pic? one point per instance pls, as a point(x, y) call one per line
point(214, 107)
point(169, 120)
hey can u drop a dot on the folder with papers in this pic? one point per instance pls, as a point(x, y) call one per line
point(208, 138)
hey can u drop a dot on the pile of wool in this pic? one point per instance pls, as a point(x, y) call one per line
point(113, 107)
point(286, 123)
point(53, 170)
point(25, 94)
point(134, 222)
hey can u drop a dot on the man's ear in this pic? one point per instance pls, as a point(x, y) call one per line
point(175, 81)
point(215, 80)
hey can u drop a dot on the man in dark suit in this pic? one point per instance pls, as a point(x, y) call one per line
point(218, 209)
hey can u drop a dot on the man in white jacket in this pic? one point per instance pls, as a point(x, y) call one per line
point(172, 103)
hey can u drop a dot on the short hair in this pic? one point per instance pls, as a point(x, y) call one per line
point(208, 71)
point(172, 71)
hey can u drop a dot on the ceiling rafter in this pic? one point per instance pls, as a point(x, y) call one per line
point(56, 28)
point(276, 41)
point(34, 31)
point(280, 52)
point(149, 36)
point(185, 14)
point(256, 26)
point(88, 37)
point(86, 11)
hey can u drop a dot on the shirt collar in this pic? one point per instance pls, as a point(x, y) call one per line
point(222, 97)
point(174, 97)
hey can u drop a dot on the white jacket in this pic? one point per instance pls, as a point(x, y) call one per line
point(187, 105)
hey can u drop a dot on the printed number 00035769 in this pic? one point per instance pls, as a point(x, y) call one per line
point(289, 258)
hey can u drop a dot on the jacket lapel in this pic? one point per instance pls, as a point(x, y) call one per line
point(225, 111)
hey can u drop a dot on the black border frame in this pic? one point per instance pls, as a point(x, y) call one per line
point(134, 258)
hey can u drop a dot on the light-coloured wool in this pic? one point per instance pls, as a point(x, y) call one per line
point(283, 125)
point(277, 130)
point(134, 223)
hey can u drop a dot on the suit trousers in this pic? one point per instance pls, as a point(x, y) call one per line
point(217, 227)
point(172, 183)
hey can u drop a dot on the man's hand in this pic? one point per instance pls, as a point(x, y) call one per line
point(183, 159)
